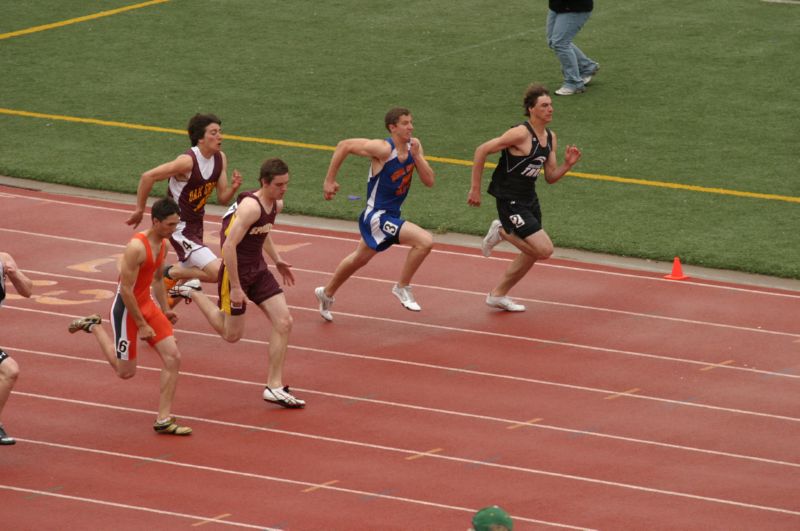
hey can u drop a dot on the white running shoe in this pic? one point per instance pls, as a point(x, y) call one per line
point(185, 290)
point(406, 297)
point(492, 238)
point(325, 303)
point(504, 303)
point(282, 397)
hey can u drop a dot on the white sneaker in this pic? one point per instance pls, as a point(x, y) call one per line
point(406, 297)
point(282, 397)
point(325, 303)
point(568, 91)
point(185, 290)
point(504, 303)
point(492, 238)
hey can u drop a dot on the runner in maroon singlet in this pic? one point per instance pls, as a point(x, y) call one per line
point(244, 275)
point(193, 176)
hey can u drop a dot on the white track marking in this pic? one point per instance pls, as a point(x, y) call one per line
point(695, 284)
point(482, 294)
point(252, 475)
point(126, 506)
point(473, 462)
point(447, 412)
point(509, 377)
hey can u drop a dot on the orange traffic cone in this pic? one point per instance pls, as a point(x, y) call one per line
point(677, 271)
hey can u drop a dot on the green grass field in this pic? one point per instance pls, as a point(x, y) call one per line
point(701, 96)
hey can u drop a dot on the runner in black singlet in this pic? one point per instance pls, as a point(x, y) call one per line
point(527, 150)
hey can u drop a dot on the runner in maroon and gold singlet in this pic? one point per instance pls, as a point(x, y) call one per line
point(244, 274)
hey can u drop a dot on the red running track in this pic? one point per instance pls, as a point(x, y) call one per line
point(619, 400)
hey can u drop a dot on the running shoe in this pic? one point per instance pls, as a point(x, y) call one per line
point(406, 297)
point(504, 303)
point(282, 397)
point(84, 323)
point(492, 238)
point(185, 290)
point(325, 303)
point(5, 439)
point(171, 427)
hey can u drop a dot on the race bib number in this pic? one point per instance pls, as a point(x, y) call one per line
point(390, 228)
point(517, 220)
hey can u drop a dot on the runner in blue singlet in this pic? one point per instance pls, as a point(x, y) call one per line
point(381, 224)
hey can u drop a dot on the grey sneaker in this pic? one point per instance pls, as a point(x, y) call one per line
point(504, 303)
point(84, 323)
point(325, 303)
point(406, 297)
point(492, 238)
point(569, 91)
point(185, 290)
point(587, 79)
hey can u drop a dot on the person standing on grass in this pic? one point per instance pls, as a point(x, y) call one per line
point(192, 176)
point(9, 369)
point(527, 149)
point(565, 18)
point(134, 313)
point(392, 163)
point(245, 238)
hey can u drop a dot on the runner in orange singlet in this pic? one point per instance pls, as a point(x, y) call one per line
point(135, 313)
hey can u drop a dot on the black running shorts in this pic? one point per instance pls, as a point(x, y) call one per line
point(519, 218)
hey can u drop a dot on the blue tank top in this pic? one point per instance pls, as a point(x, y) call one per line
point(388, 189)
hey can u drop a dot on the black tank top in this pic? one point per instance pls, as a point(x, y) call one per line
point(2, 283)
point(514, 178)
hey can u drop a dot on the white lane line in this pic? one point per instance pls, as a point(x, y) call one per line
point(140, 508)
point(270, 478)
point(783, 374)
point(482, 295)
point(534, 471)
point(658, 278)
point(439, 411)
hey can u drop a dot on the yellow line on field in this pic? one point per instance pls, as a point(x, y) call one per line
point(101, 14)
point(689, 187)
point(459, 162)
point(91, 121)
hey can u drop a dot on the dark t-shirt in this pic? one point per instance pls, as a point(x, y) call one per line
point(571, 6)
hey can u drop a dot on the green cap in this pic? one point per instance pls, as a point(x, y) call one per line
point(489, 516)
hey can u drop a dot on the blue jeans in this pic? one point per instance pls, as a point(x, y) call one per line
point(561, 29)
